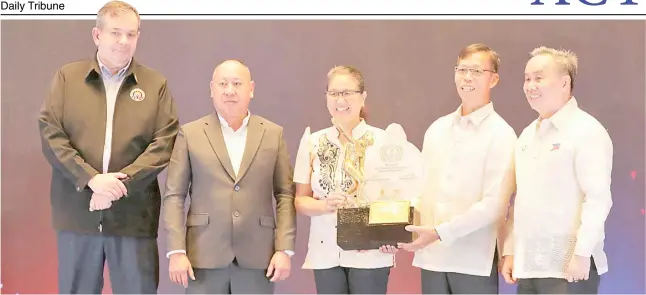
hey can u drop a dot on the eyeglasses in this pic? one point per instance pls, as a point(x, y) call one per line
point(344, 93)
point(474, 72)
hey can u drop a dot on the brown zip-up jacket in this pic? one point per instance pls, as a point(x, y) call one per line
point(72, 126)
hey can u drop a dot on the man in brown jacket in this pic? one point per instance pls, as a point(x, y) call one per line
point(108, 127)
point(233, 164)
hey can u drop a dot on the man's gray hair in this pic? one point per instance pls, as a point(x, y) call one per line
point(566, 59)
point(114, 8)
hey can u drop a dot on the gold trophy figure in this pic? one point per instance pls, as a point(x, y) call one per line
point(353, 164)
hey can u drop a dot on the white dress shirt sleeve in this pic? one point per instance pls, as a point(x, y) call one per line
point(303, 167)
point(173, 252)
point(422, 202)
point(498, 185)
point(593, 166)
point(507, 234)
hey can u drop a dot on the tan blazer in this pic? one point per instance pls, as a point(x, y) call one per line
point(230, 216)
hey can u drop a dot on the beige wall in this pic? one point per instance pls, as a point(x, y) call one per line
point(409, 79)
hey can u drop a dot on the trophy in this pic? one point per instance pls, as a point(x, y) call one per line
point(385, 182)
point(353, 163)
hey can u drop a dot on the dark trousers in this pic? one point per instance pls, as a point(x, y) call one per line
point(561, 286)
point(133, 264)
point(230, 280)
point(346, 280)
point(456, 283)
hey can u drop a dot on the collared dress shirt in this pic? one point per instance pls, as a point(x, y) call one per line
point(112, 83)
point(563, 171)
point(470, 172)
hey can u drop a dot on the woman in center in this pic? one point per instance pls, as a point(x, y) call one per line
point(323, 186)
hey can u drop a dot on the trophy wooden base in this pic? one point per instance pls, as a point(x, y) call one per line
point(358, 230)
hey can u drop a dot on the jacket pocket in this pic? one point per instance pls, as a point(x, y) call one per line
point(267, 221)
point(197, 219)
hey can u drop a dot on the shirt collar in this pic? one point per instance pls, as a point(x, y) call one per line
point(357, 132)
point(106, 72)
point(476, 117)
point(563, 115)
point(560, 119)
point(245, 121)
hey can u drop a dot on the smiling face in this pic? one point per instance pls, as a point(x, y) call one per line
point(345, 97)
point(232, 89)
point(547, 85)
point(475, 76)
point(116, 38)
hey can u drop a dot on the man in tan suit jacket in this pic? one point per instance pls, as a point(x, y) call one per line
point(232, 164)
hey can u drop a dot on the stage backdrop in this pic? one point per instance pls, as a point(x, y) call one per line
point(408, 66)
